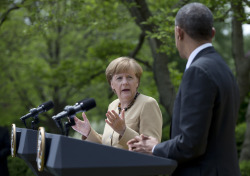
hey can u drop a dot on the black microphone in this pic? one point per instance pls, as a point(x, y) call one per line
point(81, 106)
point(41, 108)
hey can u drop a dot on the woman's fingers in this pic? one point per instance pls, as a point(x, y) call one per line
point(84, 117)
point(111, 116)
point(123, 114)
point(108, 122)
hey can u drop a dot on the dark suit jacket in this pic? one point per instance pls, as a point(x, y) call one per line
point(4, 150)
point(204, 118)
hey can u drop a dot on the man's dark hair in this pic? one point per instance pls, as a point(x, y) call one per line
point(196, 20)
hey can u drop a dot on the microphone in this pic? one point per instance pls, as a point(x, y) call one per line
point(41, 108)
point(80, 106)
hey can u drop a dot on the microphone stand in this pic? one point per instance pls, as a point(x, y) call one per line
point(34, 122)
point(35, 117)
point(59, 125)
point(23, 120)
point(71, 114)
point(67, 125)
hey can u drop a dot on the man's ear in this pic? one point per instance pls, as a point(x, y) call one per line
point(180, 33)
point(213, 32)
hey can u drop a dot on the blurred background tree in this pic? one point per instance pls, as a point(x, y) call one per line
point(58, 50)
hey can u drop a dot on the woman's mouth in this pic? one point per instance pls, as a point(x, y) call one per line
point(125, 90)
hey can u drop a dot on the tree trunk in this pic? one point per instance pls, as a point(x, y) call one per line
point(139, 10)
point(162, 76)
point(242, 63)
point(245, 151)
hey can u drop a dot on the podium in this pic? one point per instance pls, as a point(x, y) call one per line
point(26, 148)
point(67, 156)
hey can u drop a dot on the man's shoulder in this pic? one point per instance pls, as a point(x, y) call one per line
point(209, 61)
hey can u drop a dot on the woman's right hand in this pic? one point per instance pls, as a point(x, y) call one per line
point(82, 127)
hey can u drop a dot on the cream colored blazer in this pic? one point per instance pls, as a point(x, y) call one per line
point(144, 117)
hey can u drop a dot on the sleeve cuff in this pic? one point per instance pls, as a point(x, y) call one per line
point(153, 149)
point(128, 134)
point(94, 137)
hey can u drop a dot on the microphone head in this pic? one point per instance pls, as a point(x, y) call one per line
point(47, 105)
point(87, 104)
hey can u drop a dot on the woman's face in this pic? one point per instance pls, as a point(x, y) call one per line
point(125, 85)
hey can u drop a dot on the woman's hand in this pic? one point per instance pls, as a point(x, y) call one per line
point(116, 122)
point(82, 127)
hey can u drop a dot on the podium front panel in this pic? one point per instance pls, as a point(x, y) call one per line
point(68, 156)
point(27, 149)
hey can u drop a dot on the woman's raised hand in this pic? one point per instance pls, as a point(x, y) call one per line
point(116, 122)
point(82, 127)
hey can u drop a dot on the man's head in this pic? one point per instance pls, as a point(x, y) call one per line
point(196, 20)
point(193, 27)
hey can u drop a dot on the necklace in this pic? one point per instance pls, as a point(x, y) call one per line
point(129, 106)
point(119, 109)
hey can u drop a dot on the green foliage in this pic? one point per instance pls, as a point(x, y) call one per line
point(222, 41)
point(240, 131)
point(17, 167)
point(175, 74)
point(247, 44)
point(243, 109)
point(176, 77)
point(244, 168)
point(59, 50)
point(165, 133)
point(147, 85)
point(107, 50)
point(164, 19)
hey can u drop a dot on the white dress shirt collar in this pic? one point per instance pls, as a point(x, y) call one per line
point(195, 52)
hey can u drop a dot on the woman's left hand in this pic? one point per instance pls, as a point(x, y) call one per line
point(116, 122)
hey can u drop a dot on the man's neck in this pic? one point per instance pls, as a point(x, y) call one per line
point(195, 52)
point(192, 45)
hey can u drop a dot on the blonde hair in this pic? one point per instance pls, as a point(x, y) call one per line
point(123, 64)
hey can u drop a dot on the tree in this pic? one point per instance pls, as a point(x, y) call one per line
point(242, 64)
point(139, 10)
point(59, 50)
point(66, 50)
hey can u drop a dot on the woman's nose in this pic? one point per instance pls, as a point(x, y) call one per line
point(124, 81)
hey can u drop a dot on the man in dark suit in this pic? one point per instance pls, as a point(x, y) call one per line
point(4, 150)
point(206, 107)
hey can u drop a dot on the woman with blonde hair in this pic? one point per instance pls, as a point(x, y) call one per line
point(128, 116)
